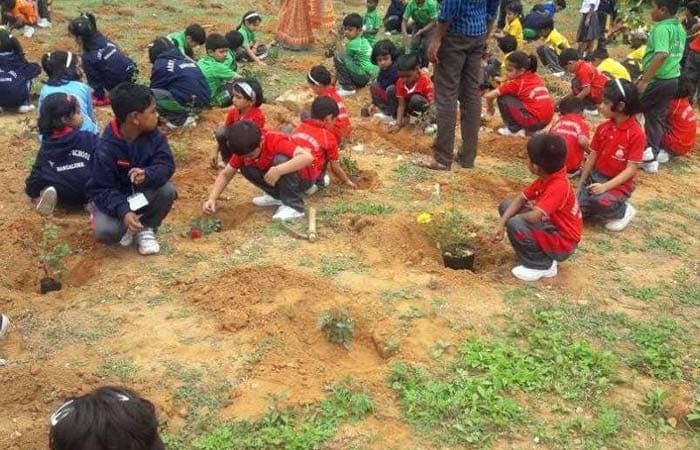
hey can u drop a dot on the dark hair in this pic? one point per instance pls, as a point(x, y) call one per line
point(251, 16)
point(54, 111)
point(693, 7)
point(109, 415)
point(323, 107)
point(407, 63)
point(570, 104)
point(84, 27)
point(8, 4)
point(385, 47)
point(568, 55)
point(216, 41)
point(61, 67)
point(507, 43)
point(613, 93)
point(560, 3)
point(671, 6)
point(128, 97)
point(515, 7)
point(547, 151)
point(523, 61)
point(685, 88)
point(547, 24)
point(240, 88)
point(242, 137)
point(197, 33)
point(158, 47)
point(601, 53)
point(320, 76)
point(353, 20)
point(10, 43)
point(234, 39)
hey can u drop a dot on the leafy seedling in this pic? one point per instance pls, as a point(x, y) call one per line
point(338, 326)
point(51, 254)
point(203, 226)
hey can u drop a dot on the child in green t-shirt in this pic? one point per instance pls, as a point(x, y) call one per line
point(371, 22)
point(193, 36)
point(251, 50)
point(661, 66)
point(216, 67)
point(354, 66)
point(419, 21)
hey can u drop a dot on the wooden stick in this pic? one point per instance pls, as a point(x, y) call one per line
point(312, 224)
point(293, 232)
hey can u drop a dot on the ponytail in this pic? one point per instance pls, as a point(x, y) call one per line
point(61, 67)
point(10, 44)
point(523, 61)
point(84, 27)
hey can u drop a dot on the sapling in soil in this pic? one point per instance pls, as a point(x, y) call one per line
point(338, 326)
point(51, 254)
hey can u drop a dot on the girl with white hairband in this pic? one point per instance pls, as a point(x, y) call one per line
point(16, 75)
point(607, 177)
point(251, 50)
point(65, 75)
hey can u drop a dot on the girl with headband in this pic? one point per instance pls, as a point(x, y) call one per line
point(251, 50)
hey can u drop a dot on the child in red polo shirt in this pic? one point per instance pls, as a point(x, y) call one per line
point(523, 100)
point(271, 161)
point(414, 91)
point(679, 139)
point(573, 128)
point(543, 223)
point(607, 177)
point(247, 96)
point(588, 81)
point(315, 134)
point(319, 79)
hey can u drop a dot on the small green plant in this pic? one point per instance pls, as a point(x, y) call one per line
point(669, 244)
point(451, 227)
point(52, 252)
point(654, 402)
point(333, 265)
point(350, 166)
point(206, 225)
point(408, 173)
point(121, 369)
point(658, 354)
point(645, 293)
point(338, 326)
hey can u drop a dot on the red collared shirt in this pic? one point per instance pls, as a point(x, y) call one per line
point(254, 114)
point(342, 124)
point(588, 75)
point(314, 135)
point(530, 89)
point(617, 145)
point(570, 127)
point(682, 122)
point(423, 86)
point(554, 196)
point(273, 144)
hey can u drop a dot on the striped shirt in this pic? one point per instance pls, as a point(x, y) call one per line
point(468, 17)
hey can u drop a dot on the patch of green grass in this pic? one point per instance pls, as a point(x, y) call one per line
point(598, 432)
point(334, 265)
point(63, 332)
point(669, 244)
point(407, 172)
point(364, 208)
point(117, 369)
point(516, 295)
point(642, 293)
point(261, 348)
point(514, 171)
point(398, 294)
point(658, 354)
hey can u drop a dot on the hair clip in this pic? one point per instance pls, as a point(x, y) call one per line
point(248, 89)
point(311, 79)
point(61, 413)
point(69, 59)
point(251, 16)
point(619, 86)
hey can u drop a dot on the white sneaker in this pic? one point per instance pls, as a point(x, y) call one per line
point(312, 190)
point(326, 180)
point(621, 224)
point(526, 274)
point(590, 112)
point(4, 325)
point(25, 109)
point(44, 23)
point(431, 129)
point(383, 117)
point(126, 240)
point(650, 167)
point(148, 245)
point(506, 132)
point(266, 200)
point(663, 157)
point(47, 201)
point(189, 122)
point(28, 31)
point(346, 93)
point(388, 33)
point(284, 212)
point(648, 155)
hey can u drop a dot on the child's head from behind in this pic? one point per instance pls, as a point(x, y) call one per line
point(61, 66)
point(243, 138)
point(195, 35)
point(620, 99)
point(9, 43)
point(158, 47)
point(58, 111)
point(664, 9)
point(692, 9)
point(325, 109)
point(514, 10)
point(217, 47)
point(546, 27)
point(384, 53)
point(246, 93)
point(517, 63)
point(559, 5)
point(251, 20)
point(507, 44)
point(571, 105)
point(319, 78)
point(568, 59)
point(234, 39)
point(109, 415)
point(638, 38)
point(372, 5)
point(134, 104)
point(409, 68)
point(352, 25)
point(600, 54)
point(547, 154)
point(83, 27)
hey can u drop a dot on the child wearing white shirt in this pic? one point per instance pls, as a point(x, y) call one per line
point(589, 28)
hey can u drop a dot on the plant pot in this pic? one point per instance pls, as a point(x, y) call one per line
point(48, 284)
point(459, 256)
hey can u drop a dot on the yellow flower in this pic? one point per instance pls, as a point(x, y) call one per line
point(424, 218)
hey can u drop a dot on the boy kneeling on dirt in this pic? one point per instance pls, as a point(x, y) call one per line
point(269, 160)
point(130, 185)
point(543, 223)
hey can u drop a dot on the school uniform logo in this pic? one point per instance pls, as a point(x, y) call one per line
point(123, 163)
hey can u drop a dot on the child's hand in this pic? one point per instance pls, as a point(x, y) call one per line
point(498, 233)
point(597, 188)
point(350, 184)
point(132, 222)
point(209, 207)
point(137, 176)
point(272, 176)
point(395, 127)
point(642, 86)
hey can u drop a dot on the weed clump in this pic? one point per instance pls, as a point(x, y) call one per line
point(338, 326)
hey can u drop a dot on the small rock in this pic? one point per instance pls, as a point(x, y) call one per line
point(3, 362)
point(34, 370)
point(672, 421)
point(182, 412)
point(240, 320)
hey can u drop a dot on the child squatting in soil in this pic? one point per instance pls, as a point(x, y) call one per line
point(573, 128)
point(217, 69)
point(186, 41)
point(62, 167)
point(130, 186)
point(107, 418)
point(414, 92)
point(544, 223)
point(588, 81)
point(17, 75)
point(321, 83)
point(271, 161)
point(354, 66)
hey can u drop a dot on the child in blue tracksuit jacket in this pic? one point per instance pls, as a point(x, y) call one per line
point(63, 70)
point(177, 82)
point(104, 63)
point(130, 185)
point(16, 74)
point(62, 166)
